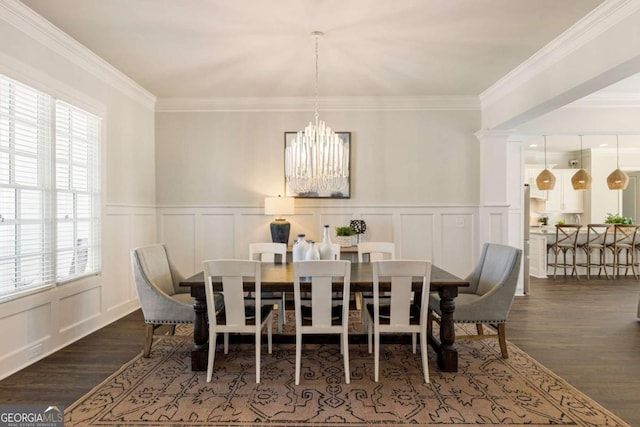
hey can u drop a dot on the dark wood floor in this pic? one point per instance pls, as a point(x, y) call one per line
point(586, 332)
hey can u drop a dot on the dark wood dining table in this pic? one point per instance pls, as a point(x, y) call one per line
point(279, 278)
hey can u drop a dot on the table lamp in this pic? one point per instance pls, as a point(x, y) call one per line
point(280, 227)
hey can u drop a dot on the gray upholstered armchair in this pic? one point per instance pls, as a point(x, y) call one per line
point(163, 300)
point(488, 299)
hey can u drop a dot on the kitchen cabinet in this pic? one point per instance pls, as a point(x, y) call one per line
point(530, 176)
point(538, 256)
point(563, 198)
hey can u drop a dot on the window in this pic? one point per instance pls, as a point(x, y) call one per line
point(49, 204)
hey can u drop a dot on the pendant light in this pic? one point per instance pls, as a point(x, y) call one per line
point(581, 180)
point(618, 180)
point(546, 180)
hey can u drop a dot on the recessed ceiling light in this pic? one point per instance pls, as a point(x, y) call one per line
point(533, 145)
point(604, 145)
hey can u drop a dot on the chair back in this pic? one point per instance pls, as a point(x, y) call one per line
point(231, 274)
point(625, 235)
point(401, 274)
point(377, 251)
point(336, 251)
point(567, 235)
point(152, 262)
point(499, 267)
point(321, 275)
point(266, 252)
point(597, 235)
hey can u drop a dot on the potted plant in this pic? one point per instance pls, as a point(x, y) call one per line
point(344, 236)
point(617, 219)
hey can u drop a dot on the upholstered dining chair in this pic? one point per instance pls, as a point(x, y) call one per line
point(273, 253)
point(488, 299)
point(320, 314)
point(369, 252)
point(402, 314)
point(566, 243)
point(163, 301)
point(236, 316)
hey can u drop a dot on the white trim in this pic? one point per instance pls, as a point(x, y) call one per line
point(607, 15)
point(607, 100)
point(26, 20)
point(359, 103)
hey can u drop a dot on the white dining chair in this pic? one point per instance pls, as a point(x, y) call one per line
point(402, 314)
point(237, 316)
point(372, 251)
point(320, 315)
point(272, 253)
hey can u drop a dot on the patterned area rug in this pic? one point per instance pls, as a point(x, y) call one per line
point(163, 391)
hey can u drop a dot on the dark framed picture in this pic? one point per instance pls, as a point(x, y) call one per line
point(318, 173)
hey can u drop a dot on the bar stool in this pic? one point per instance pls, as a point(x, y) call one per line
point(566, 242)
point(623, 249)
point(595, 248)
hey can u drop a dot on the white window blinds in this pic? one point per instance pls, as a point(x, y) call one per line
point(50, 201)
point(77, 192)
point(25, 182)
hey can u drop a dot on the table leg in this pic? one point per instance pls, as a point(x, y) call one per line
point(447, 353)
point(200, 334)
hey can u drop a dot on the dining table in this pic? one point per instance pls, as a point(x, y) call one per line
point(279, 278)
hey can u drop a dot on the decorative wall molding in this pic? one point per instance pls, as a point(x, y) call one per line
point(607, 100)
point(601, 19)
point(26, 20)
point(362, 103)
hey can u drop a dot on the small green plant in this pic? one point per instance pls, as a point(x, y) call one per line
point(344, 231)
point(561, 222)
point(617, 219)
point(543, 219)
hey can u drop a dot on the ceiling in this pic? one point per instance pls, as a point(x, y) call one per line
point(263, 48)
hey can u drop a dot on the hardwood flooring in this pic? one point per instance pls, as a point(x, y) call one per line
point(587, 332)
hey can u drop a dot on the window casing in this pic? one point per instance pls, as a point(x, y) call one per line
point(49, 190)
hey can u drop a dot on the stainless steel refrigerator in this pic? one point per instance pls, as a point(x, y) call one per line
point(525, 245)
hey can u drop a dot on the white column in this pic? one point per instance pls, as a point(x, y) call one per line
point(501, 207)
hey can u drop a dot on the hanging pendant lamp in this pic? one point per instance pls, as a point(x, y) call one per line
point(546, 180)
point(618, 180)
point(581, 180)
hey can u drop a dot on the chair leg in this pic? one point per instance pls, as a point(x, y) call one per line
point(212, 355)
point(270, 333)
point(258, 342)
point(413, 342)
point(298, 355)
point(148, 340)
point(479, 328)
point(502, 338)
point(370, 335)
point(344, 339)
point(425, 357)
point(226, 343)
point(376, 353)
point(172, 330)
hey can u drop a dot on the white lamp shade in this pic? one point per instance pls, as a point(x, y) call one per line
point(278, 206)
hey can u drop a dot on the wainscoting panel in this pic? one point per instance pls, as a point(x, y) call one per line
point(119, 229)
point(446, 235)
point(23, 331)
point(77, 308)
point(215, 236)
point(416, 236)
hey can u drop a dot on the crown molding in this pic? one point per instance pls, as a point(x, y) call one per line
point(607, 100)
point(601, 19)
point(358, 103)
point(26, 20)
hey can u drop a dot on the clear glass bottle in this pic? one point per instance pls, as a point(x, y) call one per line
point(300, 247)
point(312, 253)
point(326, 248)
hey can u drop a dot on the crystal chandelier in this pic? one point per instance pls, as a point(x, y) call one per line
point(317, 160)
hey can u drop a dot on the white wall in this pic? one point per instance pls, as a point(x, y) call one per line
point(37, 54)
point(414, 180)
point(398, 157)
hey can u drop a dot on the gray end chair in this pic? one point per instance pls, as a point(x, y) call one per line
point(163, 300)
point(488, 299)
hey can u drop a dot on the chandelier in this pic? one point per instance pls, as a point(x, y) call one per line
point(317, 160)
